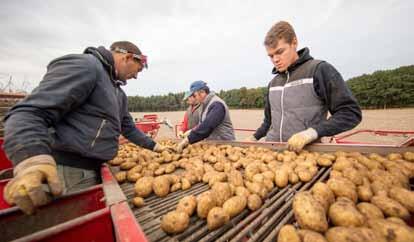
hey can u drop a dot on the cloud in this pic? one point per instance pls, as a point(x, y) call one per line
point(216, 41)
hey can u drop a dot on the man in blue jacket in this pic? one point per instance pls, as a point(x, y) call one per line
point(302, 93)
point(215, 122)
point(69, 125)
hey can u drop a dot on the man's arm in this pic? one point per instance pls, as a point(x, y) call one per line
point(344, 109)
point(267, 121)
point(131, 132)
point(215, 116)
point(68, 82)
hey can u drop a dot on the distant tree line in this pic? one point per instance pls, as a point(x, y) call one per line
point(381, 89)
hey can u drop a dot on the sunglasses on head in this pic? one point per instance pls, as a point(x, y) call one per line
point(143, 59)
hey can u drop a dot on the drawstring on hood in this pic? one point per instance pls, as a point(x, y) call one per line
point(107, 60)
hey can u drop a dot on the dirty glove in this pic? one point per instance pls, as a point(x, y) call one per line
point(299, 140)
point(184, 143)
point(26, 190)
point(251, 138)
point(159, 148)
point(180, 134)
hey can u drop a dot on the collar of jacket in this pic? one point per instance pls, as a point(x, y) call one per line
point(107, 60)
point(304, 55)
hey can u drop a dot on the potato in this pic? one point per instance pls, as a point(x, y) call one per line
point(254, 202)
point(185, 184)
point(288, 233)
point(342, 187)
point(121, 176)
point(187, 204)
point(349, 234)
point(394, 156)
point(138, 202)
point(235, 178)
point(159, 171)
point(219, 166)
point(408, 156)
point(364, 191)
point(268, 184)
point(143, 187)
point(175, 222)
point(161, 186)
point(170, 168)
point(390, 207)
point(396, 220)
point(304, 175)
point(343, 212)
point(281, 177)
point(217, 177)
point(235, 205)
point(216, 218)
point(293, 177)
point(403, 196)
point(341, 164)
point(353, 175)
point(394, 232)
point(127, 165)
point(369, 210)
point(258, 178)
point(133, 176)
point(321, 192)
point(323, 161)
point(379, 187)
point(335, 174)
point(242, 191)
point(311, 236)
point(222, 192)
point(175, 187)
point(251, 170)
point(309, 213)
point(269, 175)
point(205, 202)
point(256, 188)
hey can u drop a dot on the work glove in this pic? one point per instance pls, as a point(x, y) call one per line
point(184, 143)
point(299, 140)
point(25, 190)
point(185, 134)
point(180, 134)
point(251, 138)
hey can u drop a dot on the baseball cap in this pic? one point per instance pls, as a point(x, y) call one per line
point(197, 85)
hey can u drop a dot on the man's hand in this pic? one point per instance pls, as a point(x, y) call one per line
point(251, 138)
point(184, 143)
point(299, 140)
point(185, 134)
point(25, 189)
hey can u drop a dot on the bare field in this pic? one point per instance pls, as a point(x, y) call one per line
point(389, 119)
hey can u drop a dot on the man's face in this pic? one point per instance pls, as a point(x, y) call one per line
point(129, 67)
point(191, 100)
point(283, 55)
point(199, 96)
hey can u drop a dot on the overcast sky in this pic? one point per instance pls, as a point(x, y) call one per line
point(220, 42)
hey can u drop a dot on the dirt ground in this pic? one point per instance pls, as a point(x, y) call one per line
point(390, 119)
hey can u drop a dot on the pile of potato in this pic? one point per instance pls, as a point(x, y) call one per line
point(367, 198)
point(238, 177)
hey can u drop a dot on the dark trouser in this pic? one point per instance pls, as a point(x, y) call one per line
point(76, 172)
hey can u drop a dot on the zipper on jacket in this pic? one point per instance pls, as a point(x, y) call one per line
point(98, 133)
point(283, 110)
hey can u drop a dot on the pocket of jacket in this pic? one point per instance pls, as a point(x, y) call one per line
point(98, 133)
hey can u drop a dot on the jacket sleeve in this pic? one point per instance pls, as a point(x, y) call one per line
point(131, 132)
point(215, 116)
point(68, 82)
point(267, 121)
point(342, 105)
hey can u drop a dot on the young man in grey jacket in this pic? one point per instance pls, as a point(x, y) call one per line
point(69, 125)
point(301, 94)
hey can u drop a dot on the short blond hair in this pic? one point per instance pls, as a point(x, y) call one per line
point(280, 30)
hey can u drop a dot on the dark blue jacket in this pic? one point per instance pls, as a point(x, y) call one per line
point(78, 107)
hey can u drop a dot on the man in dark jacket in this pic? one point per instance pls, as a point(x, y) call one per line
point(69, 125)
point(215, 122)
point(301, 94)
